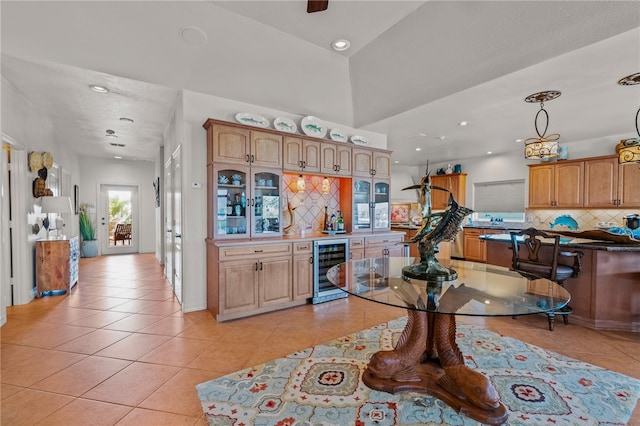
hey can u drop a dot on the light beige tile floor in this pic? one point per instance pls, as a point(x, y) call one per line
point(118, 350)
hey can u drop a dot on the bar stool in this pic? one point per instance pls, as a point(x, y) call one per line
point(530, 264)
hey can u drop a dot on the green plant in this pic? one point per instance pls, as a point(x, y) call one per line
point(87, 230)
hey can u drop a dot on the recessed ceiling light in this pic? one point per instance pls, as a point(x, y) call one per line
point(519, 140)
point(340, 45)
point(193, 36)
point(443, 137)
point(117, 157)
point(98, 89)
point(396, 161)
point(489, 153)
point(422, 134)
point(463, 123)
point(418, 149)
point(126, 120)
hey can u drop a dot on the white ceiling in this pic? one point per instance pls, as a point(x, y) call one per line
point(414, 68)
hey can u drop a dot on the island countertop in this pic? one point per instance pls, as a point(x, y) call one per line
point(575, 243)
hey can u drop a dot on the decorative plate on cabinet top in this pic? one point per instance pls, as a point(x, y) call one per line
point(252, 119)
point(311, 126)
point(359, 140)
point(285, 125)
point(338, 135)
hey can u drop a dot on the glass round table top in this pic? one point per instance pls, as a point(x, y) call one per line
point(479, 290)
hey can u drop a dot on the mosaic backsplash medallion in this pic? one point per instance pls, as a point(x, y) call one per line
point(309, 205)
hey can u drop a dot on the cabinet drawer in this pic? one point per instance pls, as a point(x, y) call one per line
point(356, 243)
point(302, 248)
point(374, 241)
point(262, 250)
point(472, 232)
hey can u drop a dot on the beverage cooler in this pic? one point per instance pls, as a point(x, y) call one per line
point(327, 253)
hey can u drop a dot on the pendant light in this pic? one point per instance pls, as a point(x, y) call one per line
point(544, 146)
point(326, 185)
point(300, 184)
point(628, 150)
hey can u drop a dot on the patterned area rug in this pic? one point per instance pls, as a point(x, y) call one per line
point(322, 386)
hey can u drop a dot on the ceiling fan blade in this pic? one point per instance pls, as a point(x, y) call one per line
point(317, 5)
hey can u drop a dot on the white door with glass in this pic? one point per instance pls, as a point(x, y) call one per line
point(118, 219)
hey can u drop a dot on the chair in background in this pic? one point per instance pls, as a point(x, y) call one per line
point(529, 263)
point(122, 233)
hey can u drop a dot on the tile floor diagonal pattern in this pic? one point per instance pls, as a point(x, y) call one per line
point(119, 351)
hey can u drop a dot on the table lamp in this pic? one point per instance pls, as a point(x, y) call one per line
point(57, 205)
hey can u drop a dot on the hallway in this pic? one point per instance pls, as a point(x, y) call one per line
point(118, 350)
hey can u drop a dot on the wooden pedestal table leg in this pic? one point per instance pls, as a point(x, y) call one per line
point(411, 367)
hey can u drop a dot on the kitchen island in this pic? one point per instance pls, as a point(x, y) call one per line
point(606, 295)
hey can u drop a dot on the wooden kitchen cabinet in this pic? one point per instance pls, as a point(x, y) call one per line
point(301, 155)
point(557, 185)
point(250, 279)
point(335, 159)
point(231, 144)
point(56, 266)
point(356, 248)
point(611, 185)
point(456, 183)
point(367, 162)
point(475, 248)
point(302, 270)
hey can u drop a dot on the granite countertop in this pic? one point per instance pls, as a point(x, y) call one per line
point(575, 243)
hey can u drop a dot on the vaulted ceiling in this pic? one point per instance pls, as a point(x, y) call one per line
point(415, 69)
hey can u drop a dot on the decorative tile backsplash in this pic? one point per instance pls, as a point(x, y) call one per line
point(309, 205)
point(587, 219)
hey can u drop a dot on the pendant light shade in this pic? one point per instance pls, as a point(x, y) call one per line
point(544, 146)
point(300, 184)
point(628, 150)
point(326, 185)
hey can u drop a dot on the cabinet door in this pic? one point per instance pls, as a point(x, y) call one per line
point(266, 150)
point(52, 266)
point(541, 186)
point(343, 160)
point(311, 156)
point(361, 205)
point(473, 246)
point(601, 182)
point(362, 162)
point(328, 158)
point(292, 154)
point(275, 281)
point(265, 208)
point(230, 144)
point(628, 192)
point(381, 206)
point(382, 165)
point(439, 198)
point(458, 187)
point(237, 281)
point(569, 184)
point(302, 276)
point(356, 254)
point(231, 194)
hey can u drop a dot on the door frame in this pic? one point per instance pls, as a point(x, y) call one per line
point(103, 229)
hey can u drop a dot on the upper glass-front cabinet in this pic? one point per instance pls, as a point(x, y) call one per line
point(247, 203)
point(265, 202)
point(370, 205)
point(381, 206)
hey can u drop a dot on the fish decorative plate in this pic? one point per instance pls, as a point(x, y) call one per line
point(359, 140)
point(311, 126)
point(285, 125)
point(252, 119)
point(338, 135)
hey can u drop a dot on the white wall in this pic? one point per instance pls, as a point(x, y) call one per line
point(28, 130)
point(97, 171)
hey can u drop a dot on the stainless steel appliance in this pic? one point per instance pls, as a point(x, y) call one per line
point(457, 246)
point(327, 253)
